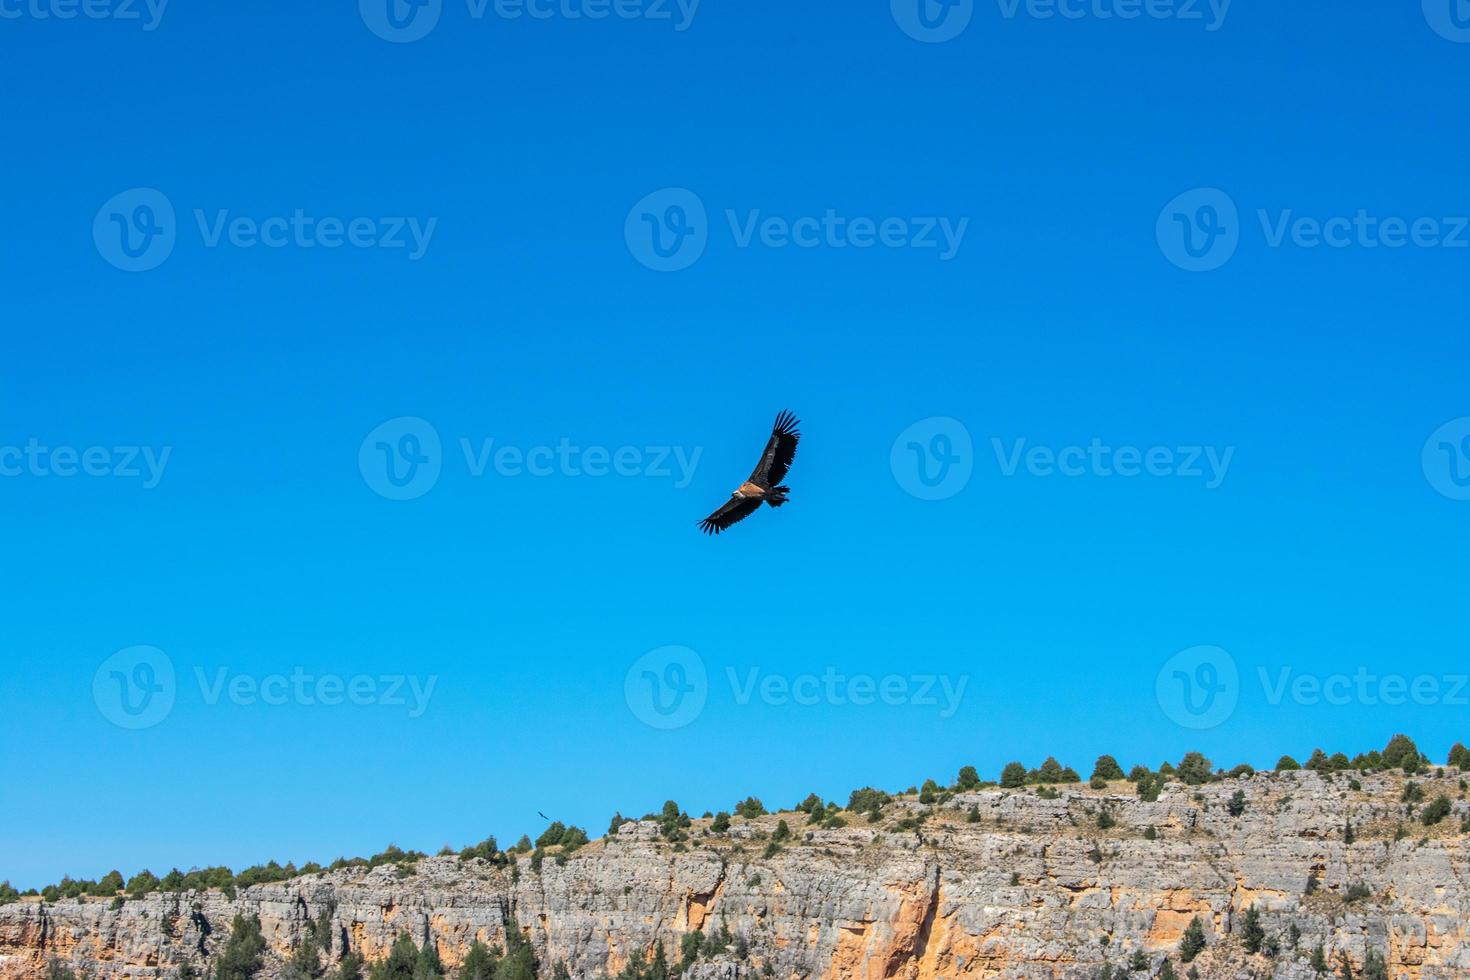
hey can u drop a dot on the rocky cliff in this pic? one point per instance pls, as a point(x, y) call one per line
point(991, 883)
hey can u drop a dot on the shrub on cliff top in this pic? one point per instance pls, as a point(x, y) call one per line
point(1401, 753)
point(552, 835)
point(8, 893)
point(750, 808)
point(142, 883)
point(487, 850)
point(863, 799)
point(1052, 771)
point(1107, 767)
point(968, 778)
point(1013, 776)
point(1194, 769)
point(1287, 764)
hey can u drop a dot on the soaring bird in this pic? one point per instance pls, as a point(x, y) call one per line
point(764, 483)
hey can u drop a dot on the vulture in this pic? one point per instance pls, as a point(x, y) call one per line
point(764, 483)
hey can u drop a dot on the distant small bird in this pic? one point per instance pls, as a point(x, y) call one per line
point(764, 483)
point(542, 815)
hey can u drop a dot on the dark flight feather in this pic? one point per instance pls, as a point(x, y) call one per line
point(780, 451)
point(735, 510)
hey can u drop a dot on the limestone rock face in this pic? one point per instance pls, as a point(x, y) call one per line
point(992, 883)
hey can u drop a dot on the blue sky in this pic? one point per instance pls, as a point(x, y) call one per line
point(1331, 545)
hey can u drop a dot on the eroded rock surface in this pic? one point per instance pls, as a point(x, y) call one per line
point(1032, 888)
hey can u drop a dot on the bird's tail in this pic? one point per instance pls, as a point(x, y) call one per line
point(777, 496)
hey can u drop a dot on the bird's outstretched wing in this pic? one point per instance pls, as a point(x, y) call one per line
point(735, 509)
point(780, 451)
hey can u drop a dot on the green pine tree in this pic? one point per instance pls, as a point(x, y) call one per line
point(241, 957)
point(1193, 941)
point(1251, 932)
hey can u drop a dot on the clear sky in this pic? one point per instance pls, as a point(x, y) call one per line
point(589, 263)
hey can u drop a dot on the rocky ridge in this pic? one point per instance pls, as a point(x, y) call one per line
point(992, 883)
